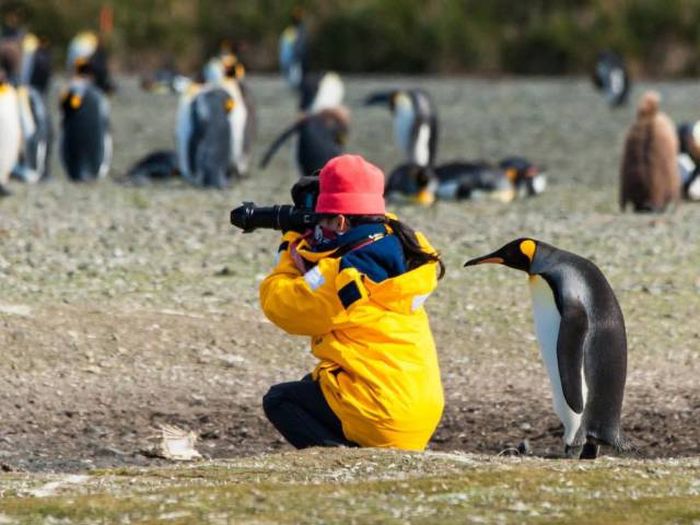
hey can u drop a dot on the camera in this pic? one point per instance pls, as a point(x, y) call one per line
point(285, 217)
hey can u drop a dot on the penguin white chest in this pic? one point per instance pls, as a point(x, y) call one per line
point(10, 132)
point(547, 323)
point(404, 119)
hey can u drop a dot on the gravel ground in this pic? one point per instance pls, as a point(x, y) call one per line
point(126, 307)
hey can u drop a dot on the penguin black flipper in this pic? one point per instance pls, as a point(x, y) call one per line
point(570, 349)
point(277, 143)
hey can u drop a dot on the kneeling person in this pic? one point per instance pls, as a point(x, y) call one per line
point(356, 285)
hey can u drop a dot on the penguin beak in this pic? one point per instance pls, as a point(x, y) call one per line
point(490, 258)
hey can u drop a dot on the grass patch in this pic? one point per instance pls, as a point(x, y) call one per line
point(369, 486)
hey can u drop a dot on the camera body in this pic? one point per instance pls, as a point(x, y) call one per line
point(285, 217)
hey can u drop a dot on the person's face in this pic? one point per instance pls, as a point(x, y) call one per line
point(336, 223)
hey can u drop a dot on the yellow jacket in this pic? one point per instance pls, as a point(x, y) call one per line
point(378, 366)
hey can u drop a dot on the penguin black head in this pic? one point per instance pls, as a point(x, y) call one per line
point(517, 254)
point(383, 98)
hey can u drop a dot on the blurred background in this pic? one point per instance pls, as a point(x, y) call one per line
point(534, 37)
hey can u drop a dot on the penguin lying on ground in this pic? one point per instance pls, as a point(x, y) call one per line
point(321, 137)
point(649, 170)
point(159, 165)
point(689, 159)
point(514, 177)
point(415, 122)
point(86, 140)
point(203, 136)
point(10, 132)
point(581, 334)
point(610, 76)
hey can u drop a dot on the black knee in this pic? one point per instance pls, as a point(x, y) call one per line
point(271, 401)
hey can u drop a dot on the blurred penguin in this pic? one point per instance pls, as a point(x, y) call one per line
point(227, 72)
point(321, 91)
point(689, 159)
point(37, 136)
point(514, 177)
point(649, 171)
point(415, 123)
point(86, 141)
point(10, 131)
point(610, 76)
point(204, 136)
point(160, 165)
point(293, 50)
point(320, 137)
point(87, 47)
point(36, 63)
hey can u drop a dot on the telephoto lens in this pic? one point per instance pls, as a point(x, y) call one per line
point(249, 217)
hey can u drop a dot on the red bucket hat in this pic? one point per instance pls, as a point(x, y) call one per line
point(352, 186)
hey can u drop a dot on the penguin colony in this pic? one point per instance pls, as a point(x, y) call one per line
point(578, 321)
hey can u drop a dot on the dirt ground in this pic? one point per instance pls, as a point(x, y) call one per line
point(126, 307)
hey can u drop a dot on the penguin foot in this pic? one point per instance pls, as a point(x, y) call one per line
point(4, 192)
point(590, 451)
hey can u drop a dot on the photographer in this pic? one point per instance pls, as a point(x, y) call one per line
point(356, 285)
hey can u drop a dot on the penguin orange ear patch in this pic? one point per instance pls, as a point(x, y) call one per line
point(75, 101)
point(528, 248)
point(229, 104)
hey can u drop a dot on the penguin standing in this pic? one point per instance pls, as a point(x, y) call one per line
point(86, 140)
point(86, 47)
point(242, 115)
point(319, 91)
point(36, 134)
point(581, 334)
point(36, 63)
point(293, 50)
point(649, 176)
point(610, 76)
point(10, 132)
point(203, 136)
point(415, 123)
point(689, 159)
point(321, 136)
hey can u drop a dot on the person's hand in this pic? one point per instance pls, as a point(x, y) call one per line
point(299, 261)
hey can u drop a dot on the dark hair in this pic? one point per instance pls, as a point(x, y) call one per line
point(415, 254)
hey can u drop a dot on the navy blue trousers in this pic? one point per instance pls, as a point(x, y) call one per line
point(301, 414)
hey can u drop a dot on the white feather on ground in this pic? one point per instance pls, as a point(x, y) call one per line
point(178, 444)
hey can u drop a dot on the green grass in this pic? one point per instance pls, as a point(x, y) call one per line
point(370, 486)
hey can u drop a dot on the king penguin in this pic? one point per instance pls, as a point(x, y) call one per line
point(610, 76)
point(86, 140)
point(415, 123)
point(321, 136)
point(203, 135)
point(227, 72)
point(10, 132)
point(36, 136)
point(581, 334)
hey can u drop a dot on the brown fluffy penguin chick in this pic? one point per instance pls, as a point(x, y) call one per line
point(649, 172)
